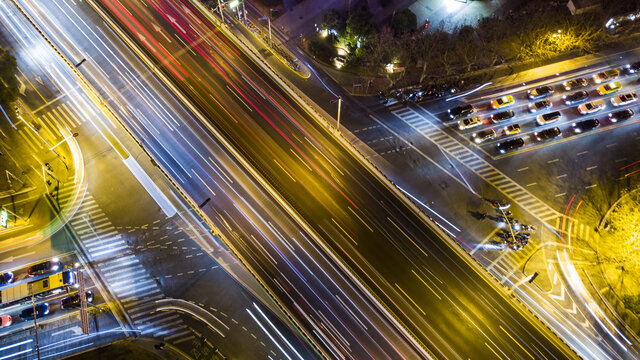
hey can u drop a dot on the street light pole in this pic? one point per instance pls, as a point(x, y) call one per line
point(221, 12)
point(269, 21)
point(339, 106)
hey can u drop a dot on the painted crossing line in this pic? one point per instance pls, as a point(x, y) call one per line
point(128, 280)
point(477, 164)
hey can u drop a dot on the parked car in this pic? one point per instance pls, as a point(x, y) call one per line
point(547, 134)
point(469, 122)
point(484, 135)
point(539, 105)
point(40, 311)
point(575, 84)
point(585, 125)
point(502, 116)
point(624, 99)
point(609, 88)
point(548, 117)
point(620, 115)
point(73, 301)
point(511, 129)
point(5, 320)
point(540, 92)
point(44, 267)
point(504, 101)
point(606, 75)
point(510, 145)
point(460, 111)
point(591, 107)
point(576, 97)
point(633, 68)
point(6, 278)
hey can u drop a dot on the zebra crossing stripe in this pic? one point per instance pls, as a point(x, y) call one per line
point(71, 114)
point(471, 160)
point(177, 335)
point(69, 119)
point(157, 320)
point(32, 144)
point(48, 127)
point(62, 123)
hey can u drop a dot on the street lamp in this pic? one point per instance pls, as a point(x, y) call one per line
point(339, 101)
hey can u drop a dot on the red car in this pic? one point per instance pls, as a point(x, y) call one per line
point(44, 267)
point(5, 320)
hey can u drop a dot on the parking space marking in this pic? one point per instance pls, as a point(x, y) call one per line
point(591, 167)
point(558, 195)
point(591, 186)
point(582, 153)
point(523, 169)
point(427, 127)
point(530, 184)
point(552, 161)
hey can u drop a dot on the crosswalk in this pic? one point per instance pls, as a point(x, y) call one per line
point(125, 276)
point(47, 125)
point(475, 163)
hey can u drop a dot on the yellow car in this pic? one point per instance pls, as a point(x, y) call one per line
point(503, 102)
point(609, 88)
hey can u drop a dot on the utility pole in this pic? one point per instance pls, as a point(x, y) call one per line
point(269, 22)
point(221, 12)
point(339, 106)
point(35, 318)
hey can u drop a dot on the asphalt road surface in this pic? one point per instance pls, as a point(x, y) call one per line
point(438, 296)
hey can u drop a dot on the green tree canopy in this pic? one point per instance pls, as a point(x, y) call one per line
point(332, 20)
point(403, 21)
point(360, 27)
point(8, 80)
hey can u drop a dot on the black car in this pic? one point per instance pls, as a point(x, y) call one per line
point(620, 115)
point(540, 105)
point(547, 134)
point(576, 97)
point(510, 145)
point(633, 68)
point(575, 84)
point(585, 125)
point(41, 310)
point(6, 278)
point(460, 111)
point(73, 301)
point(502, 116)
point(540, 92)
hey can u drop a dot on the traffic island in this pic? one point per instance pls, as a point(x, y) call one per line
point(41, 184)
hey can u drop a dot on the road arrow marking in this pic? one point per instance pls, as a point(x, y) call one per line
point(12, 258)
point(561, 297)
point(76, 330)
point(22, 87)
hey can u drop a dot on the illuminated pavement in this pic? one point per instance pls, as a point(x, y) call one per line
point(363, 220)
point(132, 271)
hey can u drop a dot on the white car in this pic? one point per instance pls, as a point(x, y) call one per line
point(591, 107)
point(624, 99)
point(469, 122)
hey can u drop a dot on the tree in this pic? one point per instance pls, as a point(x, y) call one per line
point(403, 21)
point(360, 27)
point(383, 50)
point(8, 80)
point(620, 244)
point(332, 20)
